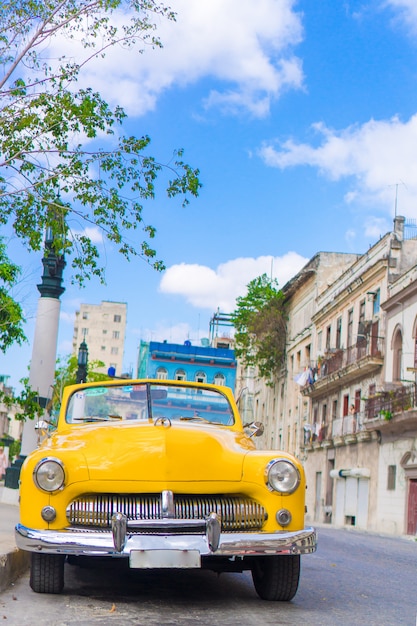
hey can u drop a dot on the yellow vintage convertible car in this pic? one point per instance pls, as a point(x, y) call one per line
point(164, 475)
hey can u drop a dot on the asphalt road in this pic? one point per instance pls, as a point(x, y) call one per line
point(353, 579)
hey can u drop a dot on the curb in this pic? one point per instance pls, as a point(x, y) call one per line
point(12, 565)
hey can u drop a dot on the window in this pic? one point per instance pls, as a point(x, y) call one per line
point(362, 305)
point(319, 340)
point(103, 348)
point(117, 318)
point(114, 350)
point(180, 375)
point(328, 337)
point(397, 349)
point(161, 373)
point(339, 333)
point(350, 328)
point(84, 332)
point(415, 353)
point(371, 404)
point(345, 405)
point(334, 409)
point(116, 334)
point(324, 413)
point(391, 479)
point(200, 377)
point(357, 401)
point(376, 302)
point(85, 315)
point(219, 379)
point(104, 331)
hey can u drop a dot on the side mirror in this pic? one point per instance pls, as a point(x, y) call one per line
point(256, 428)
point(42, 428)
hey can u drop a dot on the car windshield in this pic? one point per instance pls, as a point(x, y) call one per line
point(149, 401)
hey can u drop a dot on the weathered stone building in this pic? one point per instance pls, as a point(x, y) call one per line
point(343, 402)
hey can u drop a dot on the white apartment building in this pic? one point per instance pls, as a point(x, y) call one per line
point(103, 328)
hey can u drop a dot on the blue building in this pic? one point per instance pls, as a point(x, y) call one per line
point(172, 361)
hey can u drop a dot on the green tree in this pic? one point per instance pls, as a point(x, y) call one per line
point(66, 374)
point(63, 158)
point(260, 326)
point(11, 314)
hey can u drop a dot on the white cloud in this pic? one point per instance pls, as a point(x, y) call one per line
point(376, 226)
point(65, 347)
point(67, 317)
point(175, 333)
point(94, 233)
point(211, 289)
point(350, 236)
point(407, 10)
point(377, 156)
point(247, 46)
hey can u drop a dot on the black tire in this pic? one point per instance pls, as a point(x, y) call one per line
point(47, 572)
point(276, 577)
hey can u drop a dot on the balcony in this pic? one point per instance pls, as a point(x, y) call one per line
point(340, 432)
point(393, 411)
point(341, 367)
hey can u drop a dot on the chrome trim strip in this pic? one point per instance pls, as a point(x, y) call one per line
point(98, 543)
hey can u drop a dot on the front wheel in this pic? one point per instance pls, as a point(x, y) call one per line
point(276, 577)
point(47, 572)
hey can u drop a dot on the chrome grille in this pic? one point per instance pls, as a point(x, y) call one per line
point(237, 513)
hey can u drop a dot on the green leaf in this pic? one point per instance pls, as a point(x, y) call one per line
point(260, 324)
point(61, 141)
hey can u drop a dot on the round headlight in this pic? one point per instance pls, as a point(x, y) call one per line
point(49, 475)
point(282, 476)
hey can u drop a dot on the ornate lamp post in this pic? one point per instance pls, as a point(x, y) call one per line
point(82, 363)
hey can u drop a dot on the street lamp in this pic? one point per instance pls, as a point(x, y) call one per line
point(82, 363)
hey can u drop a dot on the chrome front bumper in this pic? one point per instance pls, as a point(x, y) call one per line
point(121, 542)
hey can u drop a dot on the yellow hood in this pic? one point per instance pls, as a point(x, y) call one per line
point(180, 452)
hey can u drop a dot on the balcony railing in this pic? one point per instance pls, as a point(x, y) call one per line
point(342, 365)
point(347, 425)
point(385, 404)
point(337, 359)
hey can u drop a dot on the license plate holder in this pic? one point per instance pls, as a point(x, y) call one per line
point(160, 559)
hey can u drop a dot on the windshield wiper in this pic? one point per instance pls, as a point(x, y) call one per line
point(97, 418)
point(194, 418)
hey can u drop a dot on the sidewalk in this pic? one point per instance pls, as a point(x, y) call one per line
point(13, 562)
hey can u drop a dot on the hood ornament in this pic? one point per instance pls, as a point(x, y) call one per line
point(162, 421)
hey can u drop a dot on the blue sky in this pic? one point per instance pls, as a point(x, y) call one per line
point(302, 118)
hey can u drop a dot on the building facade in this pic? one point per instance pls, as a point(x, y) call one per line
point(393, 412)
point(345, 401)
point(103, 328)
point(206, 364)
point(11, 429)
